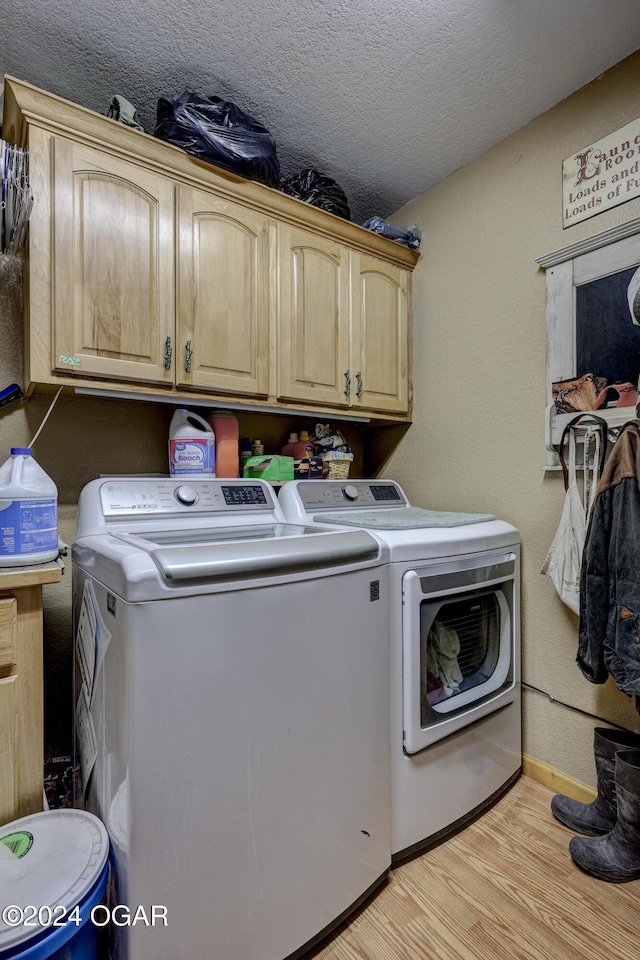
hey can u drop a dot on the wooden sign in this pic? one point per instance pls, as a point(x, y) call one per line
point(602, 175)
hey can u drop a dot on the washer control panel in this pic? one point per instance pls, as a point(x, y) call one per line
point(123, 497)
point(344, 495)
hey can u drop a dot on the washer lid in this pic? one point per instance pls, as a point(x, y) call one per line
point(223, 554)
point(48, 859)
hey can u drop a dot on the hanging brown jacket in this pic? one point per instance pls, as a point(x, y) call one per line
point(609, 637)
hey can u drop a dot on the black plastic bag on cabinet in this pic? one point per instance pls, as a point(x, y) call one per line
point(318, 190)
point(219, 132)
point(408, 237)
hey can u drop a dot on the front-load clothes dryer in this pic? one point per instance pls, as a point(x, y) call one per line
point(455, 651)
point(232, 714)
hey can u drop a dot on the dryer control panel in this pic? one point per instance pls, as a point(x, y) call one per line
point(346, 494)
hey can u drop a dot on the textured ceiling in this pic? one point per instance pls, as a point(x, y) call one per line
point(385, 97)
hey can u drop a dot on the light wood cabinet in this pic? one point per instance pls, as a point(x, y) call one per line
point(114, 293)
point(313, 315)
point(21, 693)
point(379, 335)
point(343, 336)
point(113, 262)
point(222, 338)
point(150, 272)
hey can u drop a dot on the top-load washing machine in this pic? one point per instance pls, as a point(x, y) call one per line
point(232, 714)
point(455, 651)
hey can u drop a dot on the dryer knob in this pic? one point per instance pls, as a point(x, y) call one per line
point(350, 492)
point(186, 495)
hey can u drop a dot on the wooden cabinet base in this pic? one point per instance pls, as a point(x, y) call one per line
point(21, 689)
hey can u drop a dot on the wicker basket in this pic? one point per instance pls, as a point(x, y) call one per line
point(335, 466)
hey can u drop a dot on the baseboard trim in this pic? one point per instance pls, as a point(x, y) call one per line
point(556, 781)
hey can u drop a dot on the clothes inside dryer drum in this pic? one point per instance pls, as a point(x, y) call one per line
point(460, 650)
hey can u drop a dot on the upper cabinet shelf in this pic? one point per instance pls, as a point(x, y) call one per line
point(151, 272)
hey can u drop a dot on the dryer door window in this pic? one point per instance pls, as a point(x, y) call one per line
point(459, 634)
point(461, 646)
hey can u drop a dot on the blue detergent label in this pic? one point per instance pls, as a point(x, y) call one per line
point(28, 526)
point(192, 456)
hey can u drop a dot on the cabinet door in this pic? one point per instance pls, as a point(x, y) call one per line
point(8, 750)
point(380, 335)
point(223, 295)
point(113, 273)
point(313, 319)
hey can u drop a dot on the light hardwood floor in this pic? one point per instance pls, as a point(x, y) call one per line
point(505, 888)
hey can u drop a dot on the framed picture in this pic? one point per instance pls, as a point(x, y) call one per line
point(590, 329)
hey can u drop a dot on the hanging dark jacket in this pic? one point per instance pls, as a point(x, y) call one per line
point(609, 637)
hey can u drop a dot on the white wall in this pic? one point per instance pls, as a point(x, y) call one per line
point(477, 442)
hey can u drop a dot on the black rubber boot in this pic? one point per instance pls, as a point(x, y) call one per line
point(599, 817)
point(616, 856)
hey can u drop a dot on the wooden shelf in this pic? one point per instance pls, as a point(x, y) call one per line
point(29, 576)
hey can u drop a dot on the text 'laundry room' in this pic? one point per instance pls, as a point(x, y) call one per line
point(319, 482)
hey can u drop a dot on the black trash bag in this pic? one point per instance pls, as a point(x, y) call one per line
point(319, 191)
point(219, 132)
point(409, 237)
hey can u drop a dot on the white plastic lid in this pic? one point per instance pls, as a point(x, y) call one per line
point(118, 818)
point(48, 859)
point(293, 438)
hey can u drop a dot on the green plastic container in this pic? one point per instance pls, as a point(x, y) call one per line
point(270, 468)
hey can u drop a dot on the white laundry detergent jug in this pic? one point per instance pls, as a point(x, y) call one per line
point(192, 445)
point(28, 511)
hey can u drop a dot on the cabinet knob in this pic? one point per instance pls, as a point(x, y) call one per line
point(188, 353)
point(168, 354)
point(359, 387)
point(347, 383)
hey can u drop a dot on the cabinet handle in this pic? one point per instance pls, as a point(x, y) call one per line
point(347, 383)
point(188, 353)
point(359, 388)
point(168, 354)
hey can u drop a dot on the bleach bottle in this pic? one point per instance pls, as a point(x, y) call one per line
point(192, 445)
point(28, 511)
